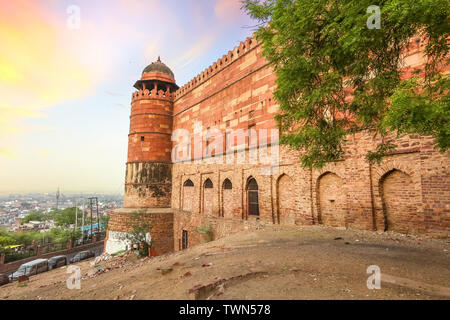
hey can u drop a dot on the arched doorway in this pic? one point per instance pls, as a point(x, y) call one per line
point(208, 196)
point(188, 195)
point(332, 200)
point(286, 195)
point(399, 201)
point(227, 198)
point(252, 197)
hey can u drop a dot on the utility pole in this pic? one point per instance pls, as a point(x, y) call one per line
point(57, 198)
point(82, 221)
point(91, 204)
point(98, 218)
point(76, 213)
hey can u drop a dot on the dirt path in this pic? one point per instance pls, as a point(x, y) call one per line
point(275, 263)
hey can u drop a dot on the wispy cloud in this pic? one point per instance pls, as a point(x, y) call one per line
point(198, 49)
point(113, 94)
point(228, 10)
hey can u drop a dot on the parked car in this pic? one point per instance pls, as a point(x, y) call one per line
point(57, 262)
point(83, 255)
point(30, 268)
point(4, 279)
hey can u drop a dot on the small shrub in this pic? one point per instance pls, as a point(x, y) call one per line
point(206, 231)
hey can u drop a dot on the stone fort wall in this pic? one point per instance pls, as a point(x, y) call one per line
point(408, 192)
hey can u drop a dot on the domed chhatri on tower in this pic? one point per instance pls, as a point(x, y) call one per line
point(158, 66)
point(157, 73)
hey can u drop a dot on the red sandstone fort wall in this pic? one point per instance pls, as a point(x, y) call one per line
point(408, 192)
point(150, 127)
point(234, 93)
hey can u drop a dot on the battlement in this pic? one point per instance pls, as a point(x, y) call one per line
point(238, 51)
point(152, 94)
point(415, 46)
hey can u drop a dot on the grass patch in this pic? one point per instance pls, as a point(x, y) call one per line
point(118, 253)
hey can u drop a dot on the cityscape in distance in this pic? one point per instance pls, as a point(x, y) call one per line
point(14, 207)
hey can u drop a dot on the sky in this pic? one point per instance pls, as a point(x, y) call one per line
point(67, 70)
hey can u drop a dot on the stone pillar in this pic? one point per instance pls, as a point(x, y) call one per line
point(38, 251)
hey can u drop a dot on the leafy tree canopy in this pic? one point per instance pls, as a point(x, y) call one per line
point(336, 76)
point(66, 217)
point(63, 235)
point(6, 241)
point(34, 216)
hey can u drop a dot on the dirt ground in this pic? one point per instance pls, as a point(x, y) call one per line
point(273, 263)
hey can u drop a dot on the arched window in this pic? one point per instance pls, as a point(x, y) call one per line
point(286, 193)
point(227, 185)
point(252, 197)
point(400, 201)
point(208, 184)
point(188, 196)
point(208, 197)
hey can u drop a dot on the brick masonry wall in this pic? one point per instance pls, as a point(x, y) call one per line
point(151, 119)
point(221, 227)
point(161, 221)
point(408, 192)
point(237, 95)
point(148, 175)
point(351, 193)
point(148, 185)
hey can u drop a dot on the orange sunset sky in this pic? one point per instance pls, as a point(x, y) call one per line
point(65, 92)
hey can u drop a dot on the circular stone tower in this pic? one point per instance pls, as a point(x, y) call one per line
point(148, 182)
point(148, 176)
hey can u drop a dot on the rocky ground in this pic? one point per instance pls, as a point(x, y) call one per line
point(274, 263)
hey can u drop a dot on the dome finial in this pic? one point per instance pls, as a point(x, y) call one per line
point(160, 67)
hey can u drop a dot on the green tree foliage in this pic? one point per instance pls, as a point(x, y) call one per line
point(336, 77)
point(34, 216)
point(66, 217)
point(26, 238)
point(104, 220)
point(4, 242)
point(206, 231)
point(63, 235)
point(138, 233)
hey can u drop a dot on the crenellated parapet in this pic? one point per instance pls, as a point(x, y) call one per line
point(238, 51)
point(152, 94)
